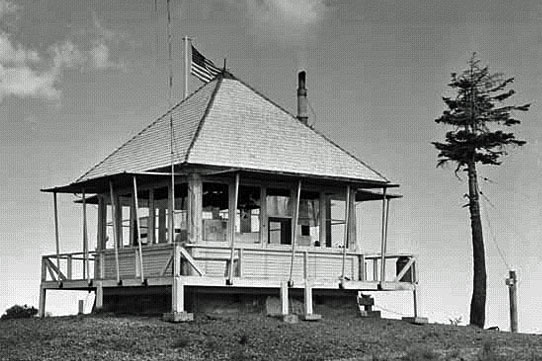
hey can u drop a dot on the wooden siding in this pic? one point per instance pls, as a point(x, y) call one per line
point(275, 263)
point(154, 259)
point(256, 262)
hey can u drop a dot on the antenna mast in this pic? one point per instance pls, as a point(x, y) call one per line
point(170, 90)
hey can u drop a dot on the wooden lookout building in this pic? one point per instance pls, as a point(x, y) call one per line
point(227, 196)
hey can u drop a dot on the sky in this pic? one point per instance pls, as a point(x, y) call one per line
point(79, 78)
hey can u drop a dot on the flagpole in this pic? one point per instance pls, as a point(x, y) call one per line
point(186, 39)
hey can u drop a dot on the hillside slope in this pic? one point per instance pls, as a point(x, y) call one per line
point(253, 337)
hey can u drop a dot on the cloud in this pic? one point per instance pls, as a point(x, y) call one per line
point(286, 22)
point(7, 7)
point(15, 54)
point(24, 72)
point(21, 81)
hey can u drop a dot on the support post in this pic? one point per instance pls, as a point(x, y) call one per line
point(233, 212)
point(323, 219)
point(138, 231)
point(57, 238)
point(69, 267)
point(264, 235)
point(195, 204)
point(361, 268)
point(171, 218)
point(346, 233)
point(352, 234)
point(178, 313)
point(43, 269)
point(102, 224)
point(161, 225)
point(41, 308)
point(284, 303)
point(152, 218)
point(240, 262)
point(114, 210)
point(384, 236)
point(308, 312)
point(512, 283)
point(86, 270)
point(294, 233)
point(99, 296)
point(306, 265)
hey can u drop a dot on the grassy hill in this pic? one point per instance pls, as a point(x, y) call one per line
point(254, 337)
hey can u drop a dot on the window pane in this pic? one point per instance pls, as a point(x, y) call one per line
point(247, 223)
point(308, 232)
point(215, 212)
point(279, 202)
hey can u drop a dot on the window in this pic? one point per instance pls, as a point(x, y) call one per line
point(215, 212)
point(247, 222)
point(308, 232)
point(279, 211)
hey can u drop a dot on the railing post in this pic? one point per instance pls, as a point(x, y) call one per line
point(177, 260)
point(102, 265)
point(294, 233)
point(57, 238)
point(232, 227)
point(346, 232)
point(240, 261)
point(305, 265)
point(86, 269)
point(116, 237)
point(69, 264)
point(361, 269)
point(43, 270)
point(138, 231)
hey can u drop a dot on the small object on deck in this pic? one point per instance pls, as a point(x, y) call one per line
point(176, 317)
point(416, 320)
point(81, 308)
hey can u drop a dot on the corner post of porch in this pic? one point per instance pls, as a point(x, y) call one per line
point(346, 233)
point(57, 237)
point(178, 313)
point(353, 242)
point(86, 263)
point(41, 307)
point(101, 238)
point(195, 208)
point(115, 212)
point(232, 206)
point(383, 244)
point(138, 230)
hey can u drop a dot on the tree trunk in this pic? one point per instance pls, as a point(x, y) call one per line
point(478, 301)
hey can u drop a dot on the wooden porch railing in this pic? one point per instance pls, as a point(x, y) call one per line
point(72, 266)
point(67, 267)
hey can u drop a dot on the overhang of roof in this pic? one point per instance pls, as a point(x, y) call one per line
point(101, 184)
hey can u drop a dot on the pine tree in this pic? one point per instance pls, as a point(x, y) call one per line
point(478, 116)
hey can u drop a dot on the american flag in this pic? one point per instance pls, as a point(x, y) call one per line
point(202, 68)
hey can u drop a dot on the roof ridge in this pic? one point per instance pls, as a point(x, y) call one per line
point(310, 127)
point(205, 113)
point(169, 111)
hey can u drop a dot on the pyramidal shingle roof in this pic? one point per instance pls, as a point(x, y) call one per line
point(227, 123)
